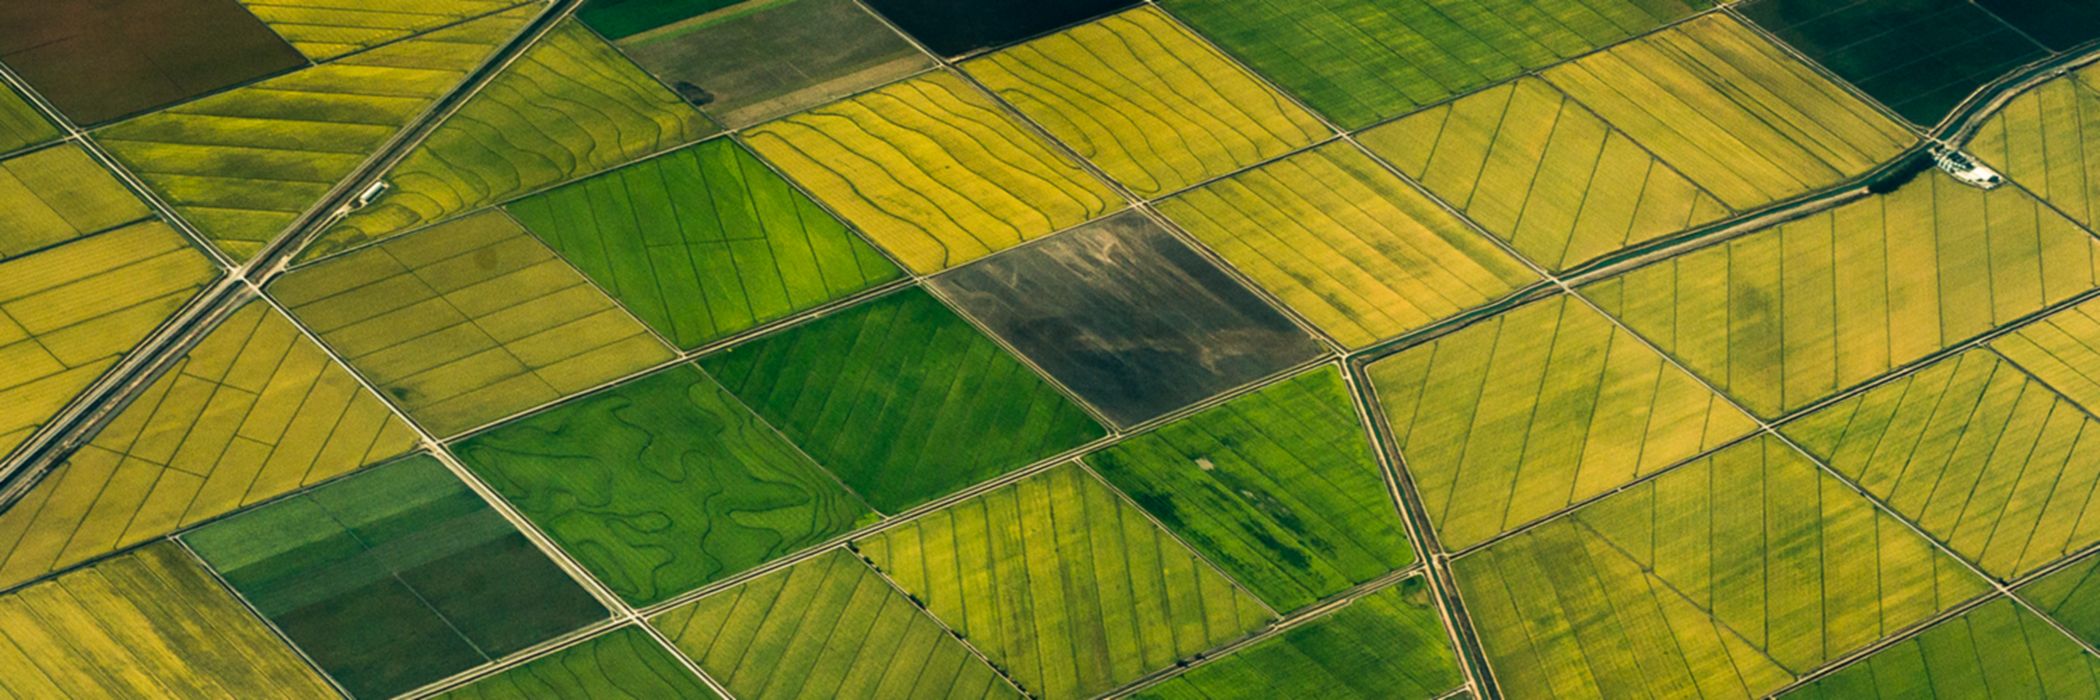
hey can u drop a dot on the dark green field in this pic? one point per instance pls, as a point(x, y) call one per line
point(1388, 644)
point(625, 663)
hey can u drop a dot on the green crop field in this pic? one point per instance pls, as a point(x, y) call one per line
point(827, 627)
point(20, 124)
point(2040, 140)
point(467, 322)
point(903, 399)
point(1387, 644)
point(571, 106)
point(2063, 350)
point(241, 165)
point(2071, 596)
point(625, 663)
point(1513, 418)
point(1543, 173)
point(1147, 101)
point(662, 484)
point(56, 195)
point(705, 242)
point(1999, 650)
point(325, 29)
point(1278, 487)
point(1064, 585)
point(1361, 253)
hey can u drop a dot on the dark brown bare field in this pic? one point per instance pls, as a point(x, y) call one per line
point(99, 60)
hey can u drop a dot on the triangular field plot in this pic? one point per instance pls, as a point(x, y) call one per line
point(1998, 650)
point(325, 29)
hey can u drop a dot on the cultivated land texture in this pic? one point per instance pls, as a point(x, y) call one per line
point(1546, 406)
point(626, 663)
point(1729, 577)
point(705, 242)
point(150, 623)
point(1362, 61)
point(1999, 650)
point(253, 412)
point(1147, 101)
point(56, 195)
point(1386, 644)
point(1128, 317)
point(570, 106)
point(823, 628)
point(467, 322)
point(325, 29)
point(1919, 57)
point(933, 171)
point(2048, 140)
point(68, 313)
point(2063, 350)
point(1278, 487)
point(1064, 585)
point(2061, 25)
point(1356, 250)
point(241, 165)
point(2070, 596)
point(1543, 173)
point(20, 124)
point(99, 60)
point(1792, 314)
point(955, 27)
point(662, 484)
point(394, 578)
point(618, 19)
point(902, 399)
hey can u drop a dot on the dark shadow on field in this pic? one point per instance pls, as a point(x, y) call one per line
point(956, 27)
point(99, 60)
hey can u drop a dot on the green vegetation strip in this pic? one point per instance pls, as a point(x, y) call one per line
point(1999, 650)
point(1387, 644)
point(625, 663)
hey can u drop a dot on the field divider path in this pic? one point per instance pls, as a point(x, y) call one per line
point(953, 633)
point(268, 623)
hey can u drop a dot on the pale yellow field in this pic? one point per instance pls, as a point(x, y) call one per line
point(324, 29)
point(933, 171)
point(56, 195)
point(254, 411)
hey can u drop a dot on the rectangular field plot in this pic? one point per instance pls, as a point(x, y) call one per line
point(2048, 140)
point(2063, 350)
point(2061, 25)
point(1128, 317)
point(754, 61)
point(253, 411)
point(1359, 252)
point(1518, 416)
point(2070, 596)
point(468, 322)
point(903, 399)
point(1387, 644)
point(1737, 115)
point(56, 195)
point(1062, 584)
point(241, 165)
point(68, 313)
point(21, 125)
point(1789, 315)
point(1919, 57)
point(704, 242)
point(1980, 455)
point(828, 627)
point(98, 60)
point(957, 27)
point(663, 484)
point(1279, 487)
point(934, 171)
point(1363, 61)
point(394, 578)
point(1728, 577)
point(1543, 173)
point(570, 106)
point(625, 663)
point(1147, 101)
point(1998, 650)
point(150, 623)
point(325, 29)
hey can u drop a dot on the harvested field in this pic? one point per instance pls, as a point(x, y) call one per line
point(100, 60)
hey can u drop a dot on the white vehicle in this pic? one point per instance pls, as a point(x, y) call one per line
point(370, 193)
point(1966, 170)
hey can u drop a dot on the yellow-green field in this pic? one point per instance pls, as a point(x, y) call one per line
point(325, 29)
point(56, 195)
point(2063, 350)
point(2048, 139)
point(933, 171)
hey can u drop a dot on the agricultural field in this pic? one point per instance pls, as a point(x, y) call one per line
point(1386, 644)
point(902, 399)
point(57, 195)
point(468, 322)
point(570, 106)
point(1786, 316)
point(253, 412)
point(1357, 251)
point(2061, 25)
point(242, 164)
point(2039, 140)
point(2071, 596)
point(20, 124)
point(1511, 419)
point(100, 60)
point(1726, 578)
point(149, 623)
point(1147, 101)
point(705, 242)
point(619, 19)
point(623, 663)
point(758, 59)
point(932, 170)
point(1360, 62)
point(1278, 487)
point(68, 313)
point(1543, 173)
point(957, 27)
point(1919, 57)
point(1076, 305)
point(1996, 650)
point(1064, 586)
point(827, 627)
point(662, 484)
point(2061, 349)
point(326, 29)
point(394, 578)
